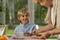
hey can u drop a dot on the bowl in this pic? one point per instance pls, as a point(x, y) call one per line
point(19, 35)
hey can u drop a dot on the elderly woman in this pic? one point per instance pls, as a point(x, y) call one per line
point(52, 19)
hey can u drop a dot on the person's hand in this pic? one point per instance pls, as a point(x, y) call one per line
point(45, 35)
point(35, 32)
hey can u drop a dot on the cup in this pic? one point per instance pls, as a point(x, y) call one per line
point(19, 34)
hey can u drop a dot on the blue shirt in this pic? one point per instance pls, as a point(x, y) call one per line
point(29, 27)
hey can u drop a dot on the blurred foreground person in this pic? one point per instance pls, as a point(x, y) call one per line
point(52, 18)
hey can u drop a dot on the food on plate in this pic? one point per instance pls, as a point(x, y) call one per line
point(27, 34)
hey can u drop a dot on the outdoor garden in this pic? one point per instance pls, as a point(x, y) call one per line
point(8, 14)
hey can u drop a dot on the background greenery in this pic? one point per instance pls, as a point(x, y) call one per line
point(40, 11)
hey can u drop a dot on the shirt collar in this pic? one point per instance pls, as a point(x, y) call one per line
point(25, 24)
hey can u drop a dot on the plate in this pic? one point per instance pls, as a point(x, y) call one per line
point(18, 37)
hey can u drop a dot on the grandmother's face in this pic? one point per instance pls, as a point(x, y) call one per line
point(44, 2)
point(35, 1)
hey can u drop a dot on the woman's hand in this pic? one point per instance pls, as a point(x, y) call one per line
point(45, 35)
point(35, 32)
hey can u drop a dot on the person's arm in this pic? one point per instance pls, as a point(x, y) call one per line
point(49, 33)
point(43, 29)
point(55, 31)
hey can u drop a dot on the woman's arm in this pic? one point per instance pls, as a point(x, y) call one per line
point(43, 29)
point(49, 33)
point(55, 31)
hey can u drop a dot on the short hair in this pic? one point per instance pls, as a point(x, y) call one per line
point(22, 11)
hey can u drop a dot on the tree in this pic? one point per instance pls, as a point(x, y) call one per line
point(31, 10)
point(11, 13)
point(3, 11)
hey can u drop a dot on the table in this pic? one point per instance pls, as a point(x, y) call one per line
point(25, 38)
